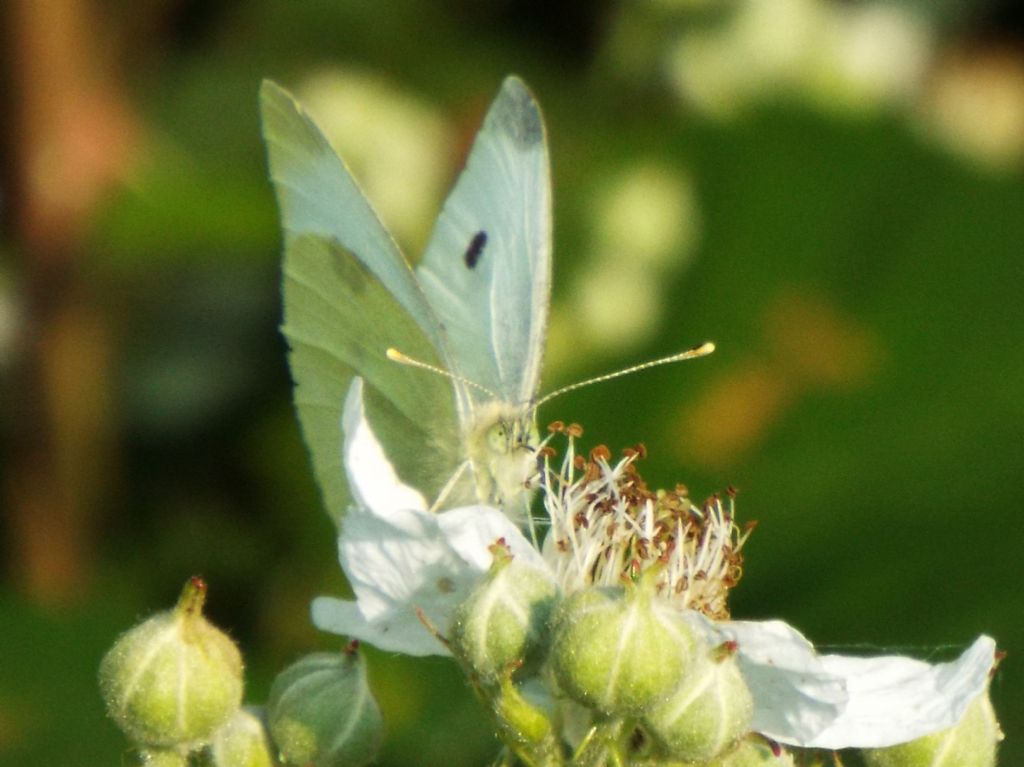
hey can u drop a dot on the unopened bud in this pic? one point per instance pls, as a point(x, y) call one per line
point(321, 712)
point(241, 742)
point(709, 711)
point(618, 650)
point(503, 624)
point(175, 678)
point(969, 743)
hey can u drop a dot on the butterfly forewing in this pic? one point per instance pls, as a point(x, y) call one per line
point(487, 268)
point(349, 295)
point(317, 195)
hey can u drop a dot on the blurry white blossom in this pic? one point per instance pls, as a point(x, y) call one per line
point(833, 55)
point(646, 225)
point(975, 106)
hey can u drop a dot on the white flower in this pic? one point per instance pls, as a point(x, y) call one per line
point(401, 559)
point(605, 523)
point(805, 699)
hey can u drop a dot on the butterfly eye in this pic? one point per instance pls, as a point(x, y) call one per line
point(497, 438)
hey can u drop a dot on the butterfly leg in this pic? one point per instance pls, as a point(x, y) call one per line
point(448, 487)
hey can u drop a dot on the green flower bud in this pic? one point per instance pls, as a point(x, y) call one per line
point(753, 752)
point(175, 678)
point(969, 743)
point(322, 713)
point(241, 742)
point(503, 624)
point(709, 710)
point(619, 651)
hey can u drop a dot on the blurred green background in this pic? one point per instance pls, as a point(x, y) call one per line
point(831, 191)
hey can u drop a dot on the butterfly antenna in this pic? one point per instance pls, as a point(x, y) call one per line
point(403, 359)
point(698, 351)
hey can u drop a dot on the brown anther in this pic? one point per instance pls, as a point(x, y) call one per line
point(574, 430)
point(601, 452)
point(556, 427)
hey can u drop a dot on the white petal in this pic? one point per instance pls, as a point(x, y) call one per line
point(894, 699)
point(411, 561)
point(395, 560)
point(472, 529)
point(795, 696)
point(397, 565)
point(371, 477)
point(396, 633)
point(834, 701)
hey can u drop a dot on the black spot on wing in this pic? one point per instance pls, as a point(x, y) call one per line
point(475, 249)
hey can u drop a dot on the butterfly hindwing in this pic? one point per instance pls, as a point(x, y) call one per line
point(338, 320)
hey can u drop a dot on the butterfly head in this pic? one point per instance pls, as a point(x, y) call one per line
point(513, 431)
point(502, 446)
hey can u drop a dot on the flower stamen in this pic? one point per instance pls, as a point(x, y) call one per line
point(607, 525)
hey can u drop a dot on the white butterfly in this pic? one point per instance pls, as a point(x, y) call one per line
point(475, 306)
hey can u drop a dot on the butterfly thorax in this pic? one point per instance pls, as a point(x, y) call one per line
point(502, 447)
